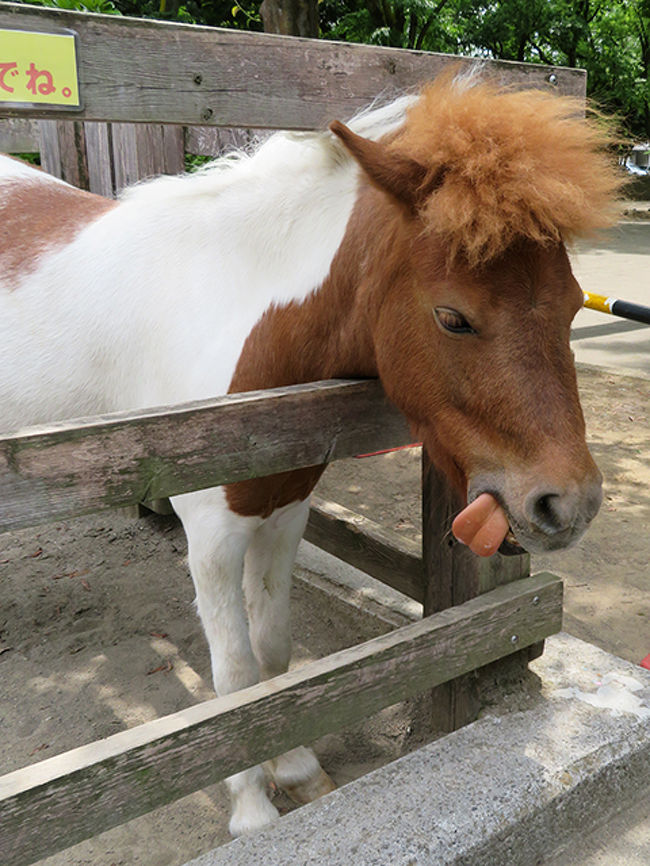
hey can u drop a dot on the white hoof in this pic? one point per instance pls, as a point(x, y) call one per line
point(251, 813)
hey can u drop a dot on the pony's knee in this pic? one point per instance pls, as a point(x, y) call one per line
point(217, 538)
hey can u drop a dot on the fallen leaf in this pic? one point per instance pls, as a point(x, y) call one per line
point(168, 666)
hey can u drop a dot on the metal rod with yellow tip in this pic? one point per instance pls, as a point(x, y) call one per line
point(616, 307)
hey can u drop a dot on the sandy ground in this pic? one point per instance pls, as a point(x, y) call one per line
point(98, 630)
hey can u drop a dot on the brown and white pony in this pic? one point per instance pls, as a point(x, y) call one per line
point(423, 244)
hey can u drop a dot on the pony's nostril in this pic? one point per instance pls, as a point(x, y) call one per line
point(551, 512)
point(554, 511)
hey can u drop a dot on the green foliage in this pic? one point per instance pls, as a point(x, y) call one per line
point(31, 158)
point(104, 6)
point(240, 14)
point(195, 161)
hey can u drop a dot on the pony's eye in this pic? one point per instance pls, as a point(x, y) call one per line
point(452, 321)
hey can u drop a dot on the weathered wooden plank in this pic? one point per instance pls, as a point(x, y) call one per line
point(63, 151)
point(98, 155)
point(78, 467)
point(173, 149)
point(53, 804)
point(157, 72)
point(19, 135)
point(453, 574)
point(386, 555)
point(145, 150)
point(49, 147)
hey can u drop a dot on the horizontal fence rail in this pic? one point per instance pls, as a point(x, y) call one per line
point(379, 551)
point(78, 467)
point(157, 72)
point(80, 793)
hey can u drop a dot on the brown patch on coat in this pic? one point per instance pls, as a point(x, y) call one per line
point(39, 216)
point(327, 336)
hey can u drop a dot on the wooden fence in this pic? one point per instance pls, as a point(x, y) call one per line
point(104, 158)
point(476, 611)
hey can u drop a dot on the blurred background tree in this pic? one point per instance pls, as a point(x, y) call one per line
point(608, 38)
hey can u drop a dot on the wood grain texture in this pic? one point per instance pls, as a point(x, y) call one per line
point(75, 468)
point(156, 72)
point(141, 151)
point(376, 550)
point(53, 804)
point(19, 135)
point(63, 151)
point(101, 178)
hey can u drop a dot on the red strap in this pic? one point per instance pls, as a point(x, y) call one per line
point(388, 450)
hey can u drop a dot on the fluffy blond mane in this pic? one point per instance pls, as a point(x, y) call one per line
point(516, 164)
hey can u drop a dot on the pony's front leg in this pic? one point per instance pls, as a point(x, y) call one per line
point(217, 542)
point(267, 583)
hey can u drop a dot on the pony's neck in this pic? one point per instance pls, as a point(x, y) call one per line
point(327, 335)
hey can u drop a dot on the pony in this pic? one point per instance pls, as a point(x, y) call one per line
point(423, 243)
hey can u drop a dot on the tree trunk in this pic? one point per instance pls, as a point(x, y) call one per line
point(290, 17)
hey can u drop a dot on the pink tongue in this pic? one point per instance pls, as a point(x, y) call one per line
point(482, 525)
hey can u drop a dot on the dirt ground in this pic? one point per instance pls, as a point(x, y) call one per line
point(98, 630)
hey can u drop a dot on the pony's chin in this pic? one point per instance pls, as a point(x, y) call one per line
point(510, 546)
point(522, 541)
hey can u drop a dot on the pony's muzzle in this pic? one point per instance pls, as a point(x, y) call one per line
point(542, 516)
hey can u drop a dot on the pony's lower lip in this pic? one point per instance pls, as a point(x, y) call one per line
point(510, 546)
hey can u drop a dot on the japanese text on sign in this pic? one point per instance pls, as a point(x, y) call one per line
point(38, 68)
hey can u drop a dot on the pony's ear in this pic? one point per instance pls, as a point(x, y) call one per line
point(402, 177)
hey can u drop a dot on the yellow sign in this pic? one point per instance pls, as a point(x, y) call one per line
point(38, 68)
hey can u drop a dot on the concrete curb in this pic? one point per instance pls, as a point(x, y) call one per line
point(512, 788)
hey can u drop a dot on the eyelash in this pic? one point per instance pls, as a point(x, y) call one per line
point(452, 321)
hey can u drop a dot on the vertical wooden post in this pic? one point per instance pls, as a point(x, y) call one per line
point(453, 575)
point(101, 176)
